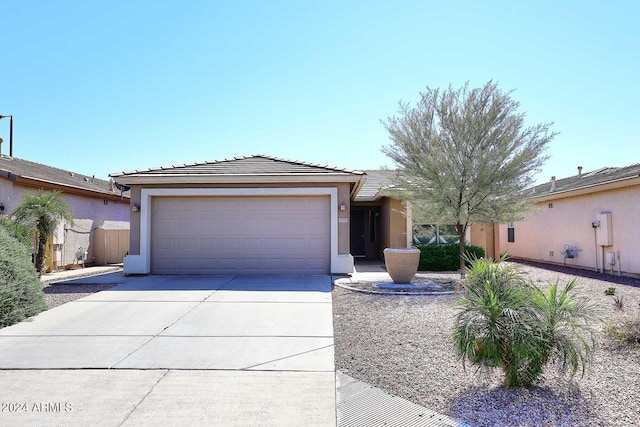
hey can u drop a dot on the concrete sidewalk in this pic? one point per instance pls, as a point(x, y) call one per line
point(158, 350)
point(361, 404)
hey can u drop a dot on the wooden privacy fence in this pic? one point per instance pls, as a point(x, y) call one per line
point(110, 246)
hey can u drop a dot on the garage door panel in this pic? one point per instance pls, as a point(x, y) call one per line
point(162, 244)
point(188, 226)
point(166, 224)
point(269, 225)
point(200, 235)
point(240, 235)
point(208, 244)
point(273, 244)
point(186, 244)
point(231, 223)
point(316, 244)
point(300, 226)
point(187, 264)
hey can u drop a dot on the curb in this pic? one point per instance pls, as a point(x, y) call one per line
point(79, 275)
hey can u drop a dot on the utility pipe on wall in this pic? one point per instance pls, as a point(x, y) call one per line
point(619, 268)
point(595, 241)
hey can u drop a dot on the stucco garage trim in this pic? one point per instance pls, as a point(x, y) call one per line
point(141, 264)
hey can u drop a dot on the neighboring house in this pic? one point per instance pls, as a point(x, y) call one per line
point(100, 211)
point(259, 214)
point(590, 220)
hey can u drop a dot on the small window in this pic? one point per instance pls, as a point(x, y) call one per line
point(550, 205)
point(511, 235)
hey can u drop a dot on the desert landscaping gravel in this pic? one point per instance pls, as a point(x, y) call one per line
point(402, 344)
point(61, 293)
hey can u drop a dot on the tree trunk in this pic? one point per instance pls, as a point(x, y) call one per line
point(461, 235)
point(42, 247)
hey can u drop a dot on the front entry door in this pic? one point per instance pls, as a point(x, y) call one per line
point(357, 232)
point(365, 223)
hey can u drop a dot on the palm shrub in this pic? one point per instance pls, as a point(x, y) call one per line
point(506, 322)
point(20, 290)
point(567, 327)
point(494, 325)
point(42, 210)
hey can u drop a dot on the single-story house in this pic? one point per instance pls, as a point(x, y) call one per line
point(100, 210)
point(259, 214)
point(589, 220)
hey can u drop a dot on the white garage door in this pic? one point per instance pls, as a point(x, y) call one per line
point(248, 235)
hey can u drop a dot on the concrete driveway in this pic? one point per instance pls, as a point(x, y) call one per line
point(210, 350)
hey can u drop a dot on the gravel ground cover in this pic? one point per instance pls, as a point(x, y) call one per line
point(402, 344)
point(61, 293)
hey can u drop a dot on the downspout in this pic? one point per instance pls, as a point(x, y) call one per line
point(619, 268)
point(595, 241)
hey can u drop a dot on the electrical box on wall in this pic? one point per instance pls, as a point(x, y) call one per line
point(604, 232)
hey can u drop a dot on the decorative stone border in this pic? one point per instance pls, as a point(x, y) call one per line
point(344, 284)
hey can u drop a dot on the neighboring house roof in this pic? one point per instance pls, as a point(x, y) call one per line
point(587, 182)
point(257, 168)
point(375, 182)
point(37, 175)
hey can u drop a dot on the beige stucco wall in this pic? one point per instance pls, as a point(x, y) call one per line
point(483, 235)
point(89, 213)
point(344, 198)
point(344, 190)
point(134, 242)
point(568, 222)
point(393, 224)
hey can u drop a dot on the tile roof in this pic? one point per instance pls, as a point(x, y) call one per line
point(375, 181)
point(13, 167)
point(258, 164)
point(587, 179)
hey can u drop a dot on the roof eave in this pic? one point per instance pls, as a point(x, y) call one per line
point(594, 188)
point(42, 183)
point(357, 186)
point(233, 179)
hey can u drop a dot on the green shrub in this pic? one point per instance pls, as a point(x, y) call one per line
point(506, 322)
point(445, 257)
point(21, 232)
point(610, 291)
point(21, 293)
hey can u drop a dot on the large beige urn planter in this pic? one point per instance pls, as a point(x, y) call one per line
point(402, 263)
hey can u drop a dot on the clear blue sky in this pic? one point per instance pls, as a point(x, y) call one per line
point(100, 87)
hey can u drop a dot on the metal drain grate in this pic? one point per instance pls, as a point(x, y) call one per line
point(362, 405)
